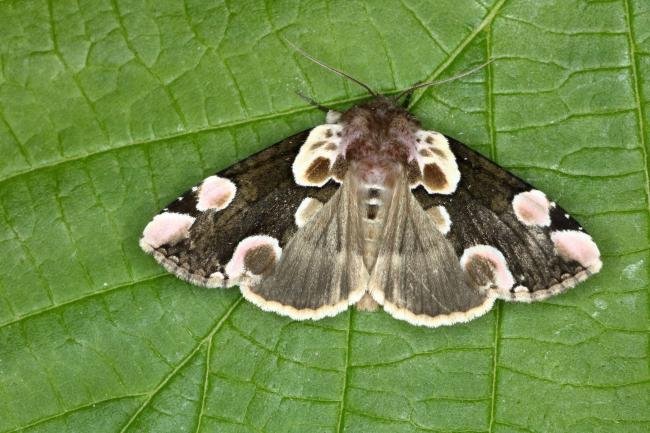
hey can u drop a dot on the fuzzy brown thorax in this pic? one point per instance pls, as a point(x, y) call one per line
point(378, 139)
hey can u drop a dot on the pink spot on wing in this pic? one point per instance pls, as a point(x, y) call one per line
point(577, 246)
point(167, 228)
point(502, 276)
point(235, 267)
point(532, 208)
point(215, 193)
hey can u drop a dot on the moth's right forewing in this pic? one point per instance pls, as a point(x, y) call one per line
point(509, 236)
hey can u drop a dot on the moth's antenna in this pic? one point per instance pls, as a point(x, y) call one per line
point(313, 102)
point(446, 80)
point(331, 68)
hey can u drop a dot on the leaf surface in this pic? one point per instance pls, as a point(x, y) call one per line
point(109, 109)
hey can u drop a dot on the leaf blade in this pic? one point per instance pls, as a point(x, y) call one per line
point(102, 127)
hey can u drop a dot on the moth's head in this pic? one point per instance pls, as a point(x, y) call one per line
point(379, 127)
point(381, 116)
point(386, 106)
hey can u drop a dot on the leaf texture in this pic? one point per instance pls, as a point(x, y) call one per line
point(108, 109)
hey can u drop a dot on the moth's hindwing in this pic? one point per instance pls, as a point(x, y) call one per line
point(417, 276)
point(241, 216)
point(321, 270)
point(509, 236)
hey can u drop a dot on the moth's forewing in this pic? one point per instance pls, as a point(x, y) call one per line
point(197, 245)
point(544, 249)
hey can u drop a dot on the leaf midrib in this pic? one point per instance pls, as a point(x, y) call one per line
point(641, 124)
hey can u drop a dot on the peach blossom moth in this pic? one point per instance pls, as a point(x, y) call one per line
point(370, 209)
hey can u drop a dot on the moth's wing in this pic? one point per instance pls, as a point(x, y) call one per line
point(417, 276)
point(320, 271)
point(253, 203)
point(509, 236)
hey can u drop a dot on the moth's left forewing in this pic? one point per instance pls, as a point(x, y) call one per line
point(240, 217)
point(510, 237)
point(275, 224)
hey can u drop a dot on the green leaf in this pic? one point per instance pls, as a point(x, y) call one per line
point(108, 109)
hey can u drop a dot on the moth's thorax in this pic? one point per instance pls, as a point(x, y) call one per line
point(378, 139)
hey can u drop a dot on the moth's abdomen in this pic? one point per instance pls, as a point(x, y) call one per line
point(373, 204)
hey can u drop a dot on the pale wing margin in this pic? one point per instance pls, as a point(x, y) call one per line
point(320, 272)
point(417, 276)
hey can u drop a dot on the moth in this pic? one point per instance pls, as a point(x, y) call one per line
point(369, 209)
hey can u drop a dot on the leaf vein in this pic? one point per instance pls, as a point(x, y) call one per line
point(487, 20)
point(182, 363)
point(341, 418)
point(80, 298)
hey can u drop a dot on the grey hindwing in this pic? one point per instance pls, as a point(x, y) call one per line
point(265, 203)
point(481, 212)
point(417, 276)
point(320, 271)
